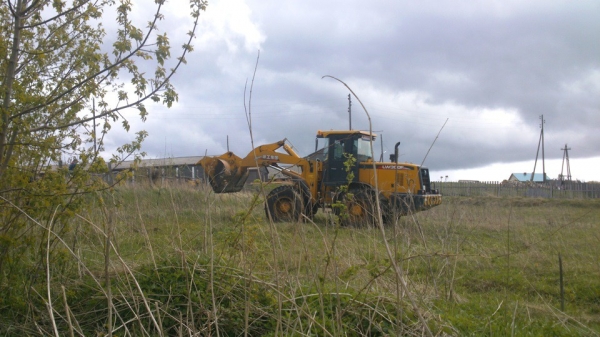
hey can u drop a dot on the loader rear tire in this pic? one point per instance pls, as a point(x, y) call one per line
point(359, 210)
point(284, 204)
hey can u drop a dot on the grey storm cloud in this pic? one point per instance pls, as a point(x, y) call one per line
point(487, 69)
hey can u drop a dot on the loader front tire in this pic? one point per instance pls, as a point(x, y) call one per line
point(284, 204)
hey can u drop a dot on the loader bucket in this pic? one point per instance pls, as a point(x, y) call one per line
point(224, 178)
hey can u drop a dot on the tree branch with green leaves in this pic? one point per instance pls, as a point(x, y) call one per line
point(60, 74)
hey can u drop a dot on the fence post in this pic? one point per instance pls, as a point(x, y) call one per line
point(110, 174)
point(562, 287)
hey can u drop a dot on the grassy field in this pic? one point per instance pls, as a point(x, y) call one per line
point(184, 261)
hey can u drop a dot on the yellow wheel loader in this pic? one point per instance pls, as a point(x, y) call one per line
point(339, 176)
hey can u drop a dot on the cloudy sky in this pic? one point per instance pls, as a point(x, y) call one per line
point(486, 69)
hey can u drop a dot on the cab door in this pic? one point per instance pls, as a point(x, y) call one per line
point(335, 171)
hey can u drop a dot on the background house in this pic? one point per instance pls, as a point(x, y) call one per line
point(525, 177)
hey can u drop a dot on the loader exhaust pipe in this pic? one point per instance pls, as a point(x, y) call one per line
point(394, 157)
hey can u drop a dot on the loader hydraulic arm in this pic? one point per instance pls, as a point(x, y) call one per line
point(228, 173)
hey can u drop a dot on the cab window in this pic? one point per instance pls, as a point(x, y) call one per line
point(363, 149)
point(338, 149)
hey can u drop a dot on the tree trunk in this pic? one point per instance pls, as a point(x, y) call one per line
point(5, 146)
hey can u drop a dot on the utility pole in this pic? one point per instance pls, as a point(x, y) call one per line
point(542, 122)
point(565, 157)
point(541, 141)
point(350, 110)
point(381, 142)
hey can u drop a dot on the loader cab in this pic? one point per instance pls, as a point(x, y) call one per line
point(338, 147)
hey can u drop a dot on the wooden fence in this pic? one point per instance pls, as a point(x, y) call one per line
point(572, 190)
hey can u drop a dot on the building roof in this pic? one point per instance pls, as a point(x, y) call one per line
point(523, 177)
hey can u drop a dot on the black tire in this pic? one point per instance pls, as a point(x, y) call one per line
point(284, 204)
point(400, 205)
point(389, 216)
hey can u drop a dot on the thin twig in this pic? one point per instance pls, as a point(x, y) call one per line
point(49, 303)
point(436, 137)
point(67, 312)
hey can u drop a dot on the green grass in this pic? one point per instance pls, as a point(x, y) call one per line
point(473, 266)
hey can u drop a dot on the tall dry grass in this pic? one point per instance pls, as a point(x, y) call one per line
point(183, 261)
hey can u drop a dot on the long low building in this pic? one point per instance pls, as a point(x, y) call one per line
point(184, 168)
